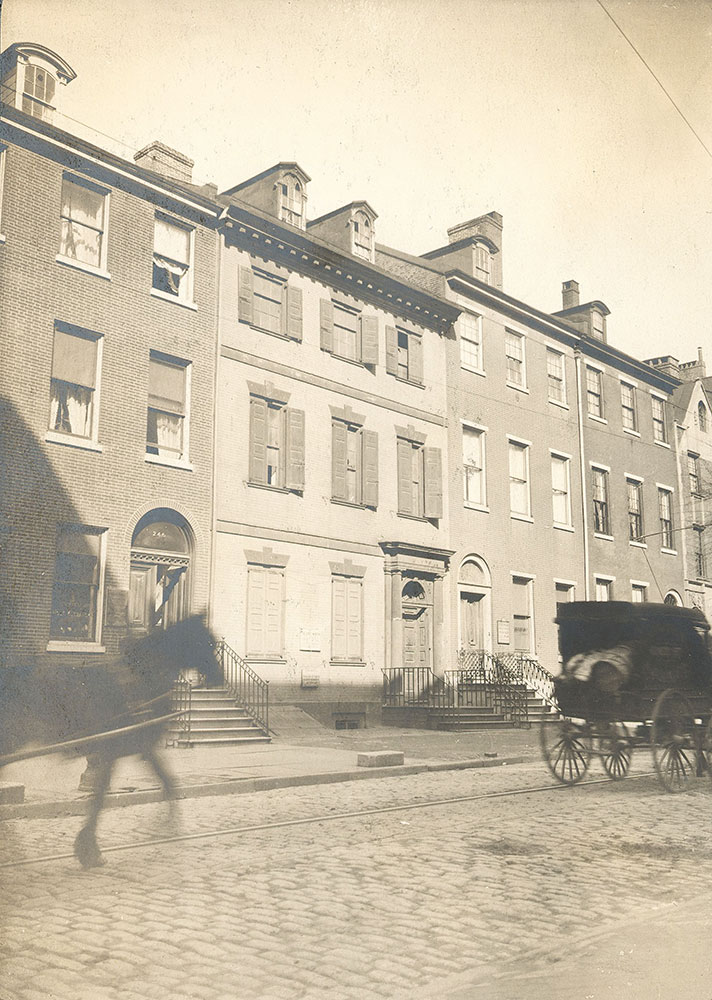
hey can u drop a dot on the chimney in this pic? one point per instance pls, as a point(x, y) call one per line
point(665, 364)
point(163, 160)
point(570, 294)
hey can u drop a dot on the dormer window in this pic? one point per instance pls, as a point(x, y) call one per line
point(483, 263)
point(291, 207)
point(597, 326)
point(362, 236)
point(38, 92)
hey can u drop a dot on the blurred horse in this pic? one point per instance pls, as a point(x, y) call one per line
point(73, 702)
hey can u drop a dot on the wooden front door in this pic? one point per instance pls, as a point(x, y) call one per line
point(472, 624)
point(157, 595)
point(417, 645)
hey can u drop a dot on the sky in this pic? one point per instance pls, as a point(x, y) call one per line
point(437, 111)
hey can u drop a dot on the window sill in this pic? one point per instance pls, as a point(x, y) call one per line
point(521, 517)
point(59, 646)
point(470, 505)
point(604, 538)
point(351, 361)
point(474, 371)
point(171, 463)
point(661, 444)
point(415, 517)
point(519, 388)
point(669, 552)
point(158, 294)
point(85, 444)
point(266, 660)
point(2, 239)
point(564, 527)
point(556, 402)
point(347, 663)
point(351, 503)
point(79, 265)
point(407, 381)
point(627, 430)
point(272, 489)
point(638, 545)
point(599, 420)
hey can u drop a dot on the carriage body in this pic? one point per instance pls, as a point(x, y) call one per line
point(632, 674)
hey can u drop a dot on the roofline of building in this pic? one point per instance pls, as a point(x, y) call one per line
point(189, 194)
point(363, 279)
point(549, 322)
point(283, 164)
point(584, 305)
point(466, 241)
point(337, 211)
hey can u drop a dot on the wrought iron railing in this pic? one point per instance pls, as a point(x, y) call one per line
point(538, 679)
point(415, 687)
point(181, 700)
point(484, 680)
point(245, 686)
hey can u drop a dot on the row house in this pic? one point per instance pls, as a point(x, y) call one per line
point(693, 428)
point(331, 544)
point(351, 457)
point(108, 285)
point(562, 475)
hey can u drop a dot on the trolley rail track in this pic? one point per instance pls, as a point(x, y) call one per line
point(307, 820)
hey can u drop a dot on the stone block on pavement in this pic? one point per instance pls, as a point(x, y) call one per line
point(380, 758)
point(11, 793)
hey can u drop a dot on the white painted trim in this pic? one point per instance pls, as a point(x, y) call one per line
point(79, 265)
point(631, 475)
point(599, 466)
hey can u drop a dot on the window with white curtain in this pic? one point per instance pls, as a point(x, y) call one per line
point(82, 217)
point(74, 382)
point(167, 424)
point(172, 252)
point(473, 465)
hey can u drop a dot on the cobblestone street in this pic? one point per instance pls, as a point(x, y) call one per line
point(362, 908)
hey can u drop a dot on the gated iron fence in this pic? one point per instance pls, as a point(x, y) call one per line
point(481, 680)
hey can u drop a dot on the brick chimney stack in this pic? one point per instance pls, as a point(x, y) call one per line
point(570, 294)
point(165, 161)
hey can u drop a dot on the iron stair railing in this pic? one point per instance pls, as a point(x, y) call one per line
point(181, 700)
point(245, 686)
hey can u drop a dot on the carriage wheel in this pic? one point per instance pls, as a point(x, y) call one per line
point(673, 739)
point(704, 760)
point(566, 748)
point(616, 753)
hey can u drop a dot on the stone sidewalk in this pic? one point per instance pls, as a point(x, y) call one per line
point(299, 754)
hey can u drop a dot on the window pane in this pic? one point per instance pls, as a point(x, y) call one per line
point(172, 241)
point(82, 205)
point(166, 385)
point(70, 408)
point(76, 585)
point(268, 303)
point(80, 243)
point(74, 359)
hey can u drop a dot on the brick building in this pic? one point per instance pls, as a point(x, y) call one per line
point(107, 279)
point(353, 457)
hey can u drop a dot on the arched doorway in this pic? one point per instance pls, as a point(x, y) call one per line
point(474, 586)
point(159, 587)
point(417, 612)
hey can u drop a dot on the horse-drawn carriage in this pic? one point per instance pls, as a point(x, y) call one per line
point(633, 675)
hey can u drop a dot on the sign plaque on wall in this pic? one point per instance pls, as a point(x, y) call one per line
point(503, 632)
point(309, 640)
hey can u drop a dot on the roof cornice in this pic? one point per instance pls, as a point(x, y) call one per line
point(558, 328)
point(49, 133)
point(254, 230)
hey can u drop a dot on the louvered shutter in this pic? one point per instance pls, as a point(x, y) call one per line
point(256, 580)
point(369, 468)
point(369, 340)
point(339, 432)
point(415, 358)
point(405, 477)
point(245, 296)
point(295, 449)
point(338, 618)
point(292, 312)
point(273, 612)
point(354, 625)
point(432, 464)
point(326, 324)
point(391, 350)
point(258, 440)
